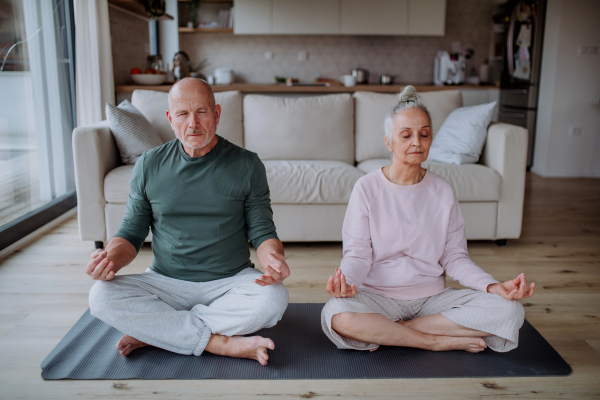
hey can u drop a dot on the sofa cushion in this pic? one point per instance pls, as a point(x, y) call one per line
point(116, 184)
point(371, 109)
point(305, 128)
point(314, 182)
point(154, 105)
point(471, 182)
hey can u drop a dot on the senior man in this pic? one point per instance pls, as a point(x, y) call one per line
point(203, 198)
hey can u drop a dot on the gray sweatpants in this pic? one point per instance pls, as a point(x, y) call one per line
point(180, 316)
point(484, 312)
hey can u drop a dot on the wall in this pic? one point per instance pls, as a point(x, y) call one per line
point(130, 39)
point(569, 92)
point(409, 58)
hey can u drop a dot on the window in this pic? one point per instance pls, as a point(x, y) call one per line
point(37, 114)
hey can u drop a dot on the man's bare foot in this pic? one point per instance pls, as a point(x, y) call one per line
point(470, 344)
point(253, 347)
point(127, 344)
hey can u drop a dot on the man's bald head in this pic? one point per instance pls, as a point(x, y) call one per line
point(191, 87)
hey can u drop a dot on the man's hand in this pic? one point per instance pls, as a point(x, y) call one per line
point(337, 286)
point(100, 267)
point(277, 270)
point(514, 289)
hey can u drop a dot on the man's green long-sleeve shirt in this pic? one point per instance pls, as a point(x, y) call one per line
point(201, 211)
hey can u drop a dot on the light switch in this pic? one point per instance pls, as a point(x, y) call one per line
point(302, 56)
point(268, 55)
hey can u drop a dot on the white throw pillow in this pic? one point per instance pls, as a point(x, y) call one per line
point(461, 138)
point(132, 131)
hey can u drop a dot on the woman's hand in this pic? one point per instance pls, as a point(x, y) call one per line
point(515, 289)
point(337, 287)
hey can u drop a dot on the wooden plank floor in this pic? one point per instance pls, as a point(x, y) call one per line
point(43, 291)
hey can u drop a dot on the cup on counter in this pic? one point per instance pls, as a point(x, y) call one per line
point(348, 80)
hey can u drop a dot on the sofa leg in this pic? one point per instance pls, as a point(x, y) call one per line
point(99, 245)
point(501, 242)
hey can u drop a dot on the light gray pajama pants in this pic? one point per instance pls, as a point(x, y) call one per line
point(484, 312)
point(180, 316)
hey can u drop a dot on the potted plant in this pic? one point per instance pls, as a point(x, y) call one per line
point(193, 7)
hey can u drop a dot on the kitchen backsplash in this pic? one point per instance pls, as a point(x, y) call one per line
point(130, 44)
point(409, 58)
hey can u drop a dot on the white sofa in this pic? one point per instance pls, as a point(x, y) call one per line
point(314, 150)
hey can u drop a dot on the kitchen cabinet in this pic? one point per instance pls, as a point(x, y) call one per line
point(252, 17)
point(374, 17)
point(427, 17)
point(306, 17)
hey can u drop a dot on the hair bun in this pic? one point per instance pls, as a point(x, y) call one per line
point(408, 94)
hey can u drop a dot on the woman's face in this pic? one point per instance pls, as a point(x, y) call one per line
point(411, 137)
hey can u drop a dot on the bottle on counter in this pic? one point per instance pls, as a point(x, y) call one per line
point(484, 71)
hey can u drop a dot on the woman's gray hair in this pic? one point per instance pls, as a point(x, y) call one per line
point(407, 99)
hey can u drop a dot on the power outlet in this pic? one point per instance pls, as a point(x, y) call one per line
point(575, 131)
point(268, 55)
point(302, 56)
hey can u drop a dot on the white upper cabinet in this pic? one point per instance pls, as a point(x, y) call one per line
point(306, 17)
point(252, 17)
point(340, 17)
point(427, 17)
point(374, 17)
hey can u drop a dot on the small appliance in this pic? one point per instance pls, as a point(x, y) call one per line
point(449, 69)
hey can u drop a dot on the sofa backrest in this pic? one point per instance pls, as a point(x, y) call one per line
point(305, 128)
point(371, 109)
point(154, 104)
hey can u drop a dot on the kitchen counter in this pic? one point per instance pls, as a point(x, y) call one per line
point(282, 88)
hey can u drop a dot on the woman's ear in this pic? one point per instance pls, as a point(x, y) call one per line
point(387, 144)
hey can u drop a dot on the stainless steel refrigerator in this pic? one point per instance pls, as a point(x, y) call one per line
point(521, 24)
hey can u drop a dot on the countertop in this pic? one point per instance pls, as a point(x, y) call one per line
point(282, 88)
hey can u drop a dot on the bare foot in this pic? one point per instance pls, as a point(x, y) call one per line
point(253, 347)
point(470, 344)
point(127, 344)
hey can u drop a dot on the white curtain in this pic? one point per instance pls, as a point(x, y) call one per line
point(93, 67)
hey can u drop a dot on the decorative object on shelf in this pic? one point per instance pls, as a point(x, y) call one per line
point(361, 75)
point(181, 65)
point(193, 7)
point(224, 76)
point(155, 62)
point(149, 79)
point(155, 8)
point(197, 72)
point(349, 80)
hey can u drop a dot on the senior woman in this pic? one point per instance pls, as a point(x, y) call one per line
point(403, 232)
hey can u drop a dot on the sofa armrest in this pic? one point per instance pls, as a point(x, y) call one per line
point(505, 151)
point(95, 153)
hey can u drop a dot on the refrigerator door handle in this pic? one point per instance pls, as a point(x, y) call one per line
point(511, 38)
point(512, 114)
point(515, 91)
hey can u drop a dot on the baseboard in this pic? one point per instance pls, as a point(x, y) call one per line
point(37, 233)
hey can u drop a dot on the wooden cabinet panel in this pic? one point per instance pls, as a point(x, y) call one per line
point(427, 17)
point(306, 17)
point(252, 17)
point(374, 17)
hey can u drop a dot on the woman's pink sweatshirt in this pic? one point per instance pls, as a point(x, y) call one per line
point(400, 241)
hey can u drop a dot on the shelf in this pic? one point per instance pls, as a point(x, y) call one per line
point(136, 9)
point(209, 1)
point(205, 30)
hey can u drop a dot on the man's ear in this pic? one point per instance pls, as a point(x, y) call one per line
point(217, 113)
point(169, 118)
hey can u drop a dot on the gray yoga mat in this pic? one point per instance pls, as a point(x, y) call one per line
point(302, 351)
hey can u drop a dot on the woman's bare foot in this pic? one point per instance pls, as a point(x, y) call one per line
point(470, 344)
point(127, 344)
point(253, 347)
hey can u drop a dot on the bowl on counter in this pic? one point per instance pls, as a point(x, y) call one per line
point(149, 79)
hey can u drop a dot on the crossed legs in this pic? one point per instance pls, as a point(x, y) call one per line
point(190, 317)
point(452, 320)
